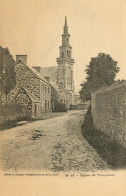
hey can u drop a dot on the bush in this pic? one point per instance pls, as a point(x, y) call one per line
point(11, 112)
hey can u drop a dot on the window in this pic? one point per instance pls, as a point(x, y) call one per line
point(67, 53)
point(48, 104)
point(48, 89)
point(45, 88)
point(45, 106)
point(35, 110)
point(67, 41)
point(62, 54)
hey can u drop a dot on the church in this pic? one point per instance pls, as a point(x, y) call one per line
point(62, 75)
point(40, 89)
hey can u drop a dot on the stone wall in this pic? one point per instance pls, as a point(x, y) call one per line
point(24, 100)
point(108, 108)
point(80, 106)
point(73, 107)
point(45, 97)
point(54, 98)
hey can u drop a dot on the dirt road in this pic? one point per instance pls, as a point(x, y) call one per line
point(54, 144)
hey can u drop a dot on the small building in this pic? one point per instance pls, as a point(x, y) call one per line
point(30, 102)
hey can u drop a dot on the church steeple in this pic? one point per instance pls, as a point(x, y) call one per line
point(65, 21)
point(65, 63)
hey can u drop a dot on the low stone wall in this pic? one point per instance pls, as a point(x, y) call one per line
point(73, 107)
point(108, 108)
point(81, 106)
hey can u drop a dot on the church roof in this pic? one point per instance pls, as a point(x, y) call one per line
point(49, 72)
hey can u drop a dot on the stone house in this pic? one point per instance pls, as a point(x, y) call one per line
point(32, 90)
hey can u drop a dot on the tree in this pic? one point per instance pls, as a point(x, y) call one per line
point(7, 72)
point(100, 72)
point(85, 92)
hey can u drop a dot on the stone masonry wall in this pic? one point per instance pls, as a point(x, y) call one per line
point(108, 108)
point(24, 100)
point(45, 97)
point(38, 88)
point(25, 78)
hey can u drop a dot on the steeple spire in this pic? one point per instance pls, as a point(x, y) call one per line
point(65, 21)
point(65, 26)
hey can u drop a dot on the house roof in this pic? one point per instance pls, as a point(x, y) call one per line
point(54, 85)
point(37, 74)
point(32, 97)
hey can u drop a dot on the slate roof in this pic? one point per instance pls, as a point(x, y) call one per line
point(49, 72)
point(32, 97)
point(37, 74)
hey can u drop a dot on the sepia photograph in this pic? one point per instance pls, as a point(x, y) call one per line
point(62, 97)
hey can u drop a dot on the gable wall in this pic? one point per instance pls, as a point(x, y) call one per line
point(24, 100)
point(26, 78)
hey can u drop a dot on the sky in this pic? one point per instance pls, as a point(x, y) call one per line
point(34, 27)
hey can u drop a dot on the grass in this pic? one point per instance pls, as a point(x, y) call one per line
point(110, 151)
point(10, 124)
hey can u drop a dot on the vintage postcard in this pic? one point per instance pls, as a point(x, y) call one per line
point(62, 97)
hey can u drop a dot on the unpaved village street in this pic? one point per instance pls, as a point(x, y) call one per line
point(54, 144)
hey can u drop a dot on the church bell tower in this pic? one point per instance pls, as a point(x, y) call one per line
point(65, 63)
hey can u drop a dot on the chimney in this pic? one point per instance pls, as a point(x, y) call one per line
point(23, 58)
point(47, 78)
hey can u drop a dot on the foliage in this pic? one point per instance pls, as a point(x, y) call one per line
point(100, 72)
point(12, 111)
point(7, 72)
